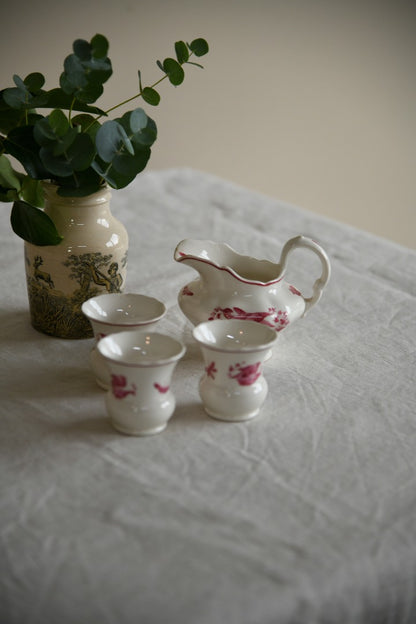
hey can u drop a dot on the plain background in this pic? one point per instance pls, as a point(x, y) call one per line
point(308, 101)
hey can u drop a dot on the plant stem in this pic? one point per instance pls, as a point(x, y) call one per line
point(134, 96)
point(70, 111)
point(131, 98)
point(124, 102)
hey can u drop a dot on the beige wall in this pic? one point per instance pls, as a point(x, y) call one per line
point(309, 101)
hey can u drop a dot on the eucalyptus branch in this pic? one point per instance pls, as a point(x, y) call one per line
point(134, 97)
point(170, 69)
point(77, 152)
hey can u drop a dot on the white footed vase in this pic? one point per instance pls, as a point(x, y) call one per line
point(140, 400)
point(233, 387)
point(116, 312)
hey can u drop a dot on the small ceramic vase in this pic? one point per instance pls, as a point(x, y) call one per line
point(233, 387)
point(140, 401)
point(90, 260)
point(116, 312)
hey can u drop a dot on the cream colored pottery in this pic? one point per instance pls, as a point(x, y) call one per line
point(116, 312)
point(234, 286)
point(140, 400)
point(233, 387)
point(90, 260)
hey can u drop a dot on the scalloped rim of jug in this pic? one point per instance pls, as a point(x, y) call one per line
point(181, 256)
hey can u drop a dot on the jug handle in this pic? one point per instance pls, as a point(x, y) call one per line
point(321, 282)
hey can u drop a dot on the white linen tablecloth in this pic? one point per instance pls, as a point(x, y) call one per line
point(305, 515)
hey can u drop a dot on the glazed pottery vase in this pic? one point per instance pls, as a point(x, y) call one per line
point(233, 387)
point(116, 312)
point(140, 400)
point(89, 261)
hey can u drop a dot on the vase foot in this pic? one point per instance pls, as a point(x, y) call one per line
point(232, 418)
point(140, 432)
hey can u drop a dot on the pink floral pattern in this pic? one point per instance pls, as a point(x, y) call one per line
point(187, 291)
point(276, 319)
point(160, 388)
point(119, 387)
point(295, 291)
point(245, 374)
point(281, 320)
point(211, 370)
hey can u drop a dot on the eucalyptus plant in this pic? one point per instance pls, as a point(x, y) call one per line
point(75, 145)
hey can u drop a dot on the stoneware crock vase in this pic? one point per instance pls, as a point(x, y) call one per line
point(90, 260)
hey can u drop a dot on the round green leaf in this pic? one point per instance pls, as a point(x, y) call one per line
point(15, 97)
point(58, 122)
point(150, 96)
point(73, 77)
point(199, 47)
point(145, 131)
point(174, 71)
point(137, 120)
point(34, 82)
point(82, 49)
point(19, 82)
point(43, 133)
point(130, 166)
point(123, 169)
point(110, 139)
point(99, 46)
point(182, 53)
point(86, 70)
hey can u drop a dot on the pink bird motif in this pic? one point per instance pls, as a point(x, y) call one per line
point(160, 388)
point(276, 319)
point(245, 374)
point(119, 387)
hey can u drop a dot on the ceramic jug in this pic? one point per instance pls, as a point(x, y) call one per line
point(234, 286)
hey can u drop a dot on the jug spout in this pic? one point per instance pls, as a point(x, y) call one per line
point(196, 255)
point(207, 257)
